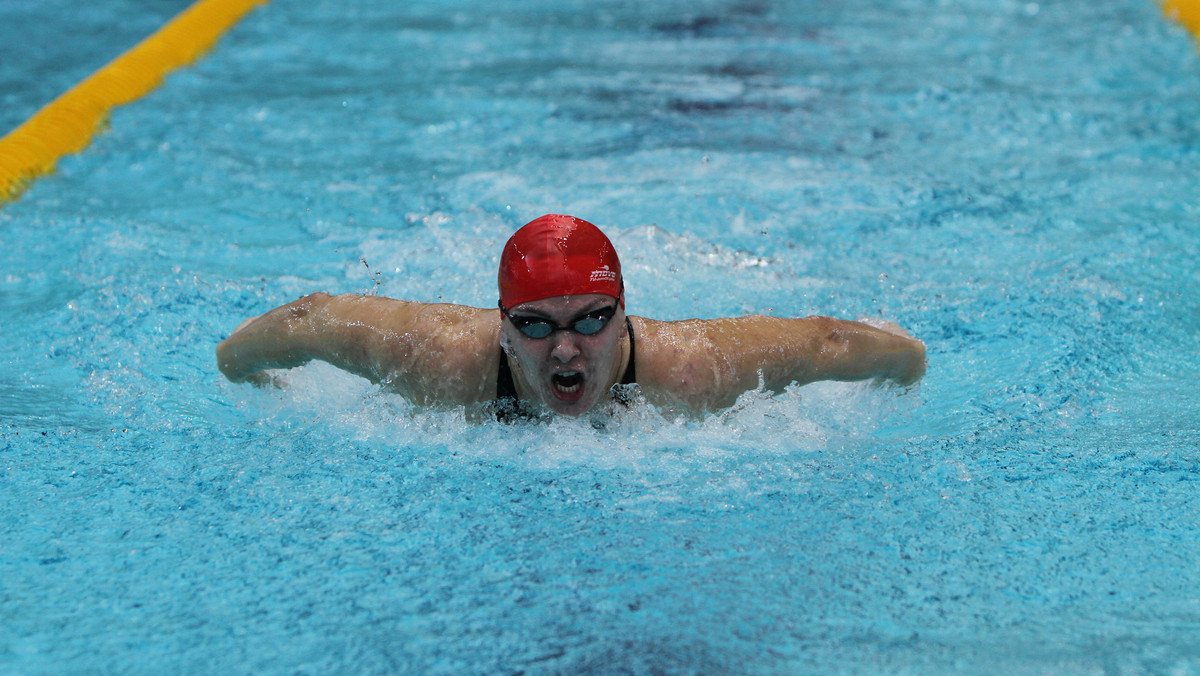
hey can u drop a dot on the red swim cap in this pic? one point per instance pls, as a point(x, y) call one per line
point(558, 255)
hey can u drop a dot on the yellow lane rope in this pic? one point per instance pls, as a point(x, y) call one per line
point(1186, 12)
point(67, 124)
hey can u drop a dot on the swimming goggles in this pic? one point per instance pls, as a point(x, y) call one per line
point(587, 324)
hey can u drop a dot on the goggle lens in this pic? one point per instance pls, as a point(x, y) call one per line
point(587, 325)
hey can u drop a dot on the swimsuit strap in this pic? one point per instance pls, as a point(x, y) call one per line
point(505, 387)
point(630, 376)
point(507, 407)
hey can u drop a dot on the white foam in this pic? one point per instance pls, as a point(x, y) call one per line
point(799, 423)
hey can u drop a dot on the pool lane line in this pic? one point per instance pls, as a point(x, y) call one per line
point(67, 124)
point(1186, 12)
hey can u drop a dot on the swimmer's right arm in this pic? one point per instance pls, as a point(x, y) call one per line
point(286, 337)
point(354, 333)
point(430, 351)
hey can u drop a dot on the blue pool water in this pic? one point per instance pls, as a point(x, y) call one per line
point(1015, 182)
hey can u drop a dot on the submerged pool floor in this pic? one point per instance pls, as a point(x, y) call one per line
point(1014, 182)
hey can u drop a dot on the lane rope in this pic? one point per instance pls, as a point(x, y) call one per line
point(67, 124)
point(1186, 12)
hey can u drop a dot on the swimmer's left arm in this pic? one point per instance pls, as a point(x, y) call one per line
point(707, 364)
point(859, 350)
point(809, 349)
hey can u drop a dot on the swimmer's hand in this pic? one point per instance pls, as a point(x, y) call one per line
point(258, 378)
point(278, 339)
point(914, 368)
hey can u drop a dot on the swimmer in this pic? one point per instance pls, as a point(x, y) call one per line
point(560, 340)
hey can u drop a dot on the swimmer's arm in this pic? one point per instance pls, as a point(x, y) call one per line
point(707, 364)
point(866, 349)
point(431, 349)
point(318, 326)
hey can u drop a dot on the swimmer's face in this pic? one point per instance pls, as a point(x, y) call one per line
point(567, 371)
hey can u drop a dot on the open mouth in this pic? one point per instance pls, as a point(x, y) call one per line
point(568, 385)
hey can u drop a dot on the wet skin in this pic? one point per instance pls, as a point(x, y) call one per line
point(440, 354)
point(566, 372)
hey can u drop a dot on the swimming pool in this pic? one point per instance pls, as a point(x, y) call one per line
point(1015, 182)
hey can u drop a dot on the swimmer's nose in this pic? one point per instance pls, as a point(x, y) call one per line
point(565, 347)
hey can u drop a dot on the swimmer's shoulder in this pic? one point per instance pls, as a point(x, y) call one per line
point(446, 354)
point(679, 364)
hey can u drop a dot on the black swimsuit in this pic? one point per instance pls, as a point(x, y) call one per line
point(509, 407)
